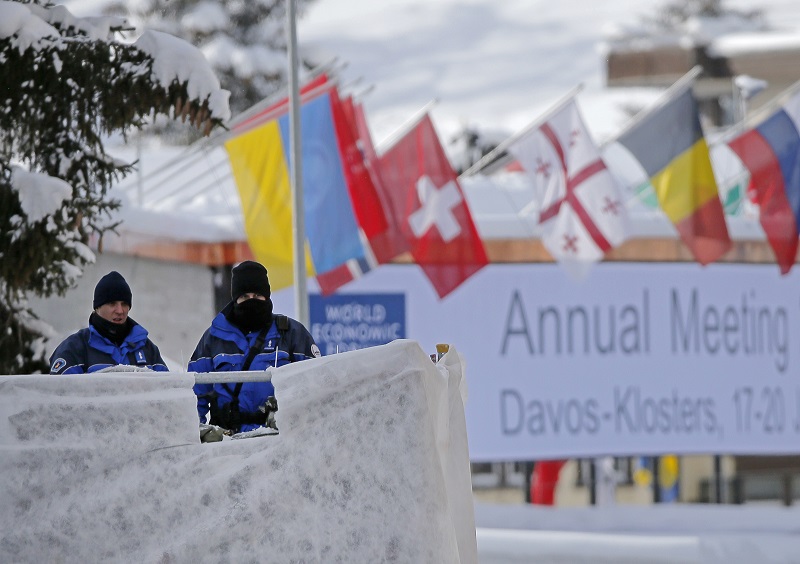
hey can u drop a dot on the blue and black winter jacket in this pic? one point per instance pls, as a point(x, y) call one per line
point(224, 348)
point(88, 351)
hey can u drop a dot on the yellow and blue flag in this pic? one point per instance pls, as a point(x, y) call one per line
point(260, 161)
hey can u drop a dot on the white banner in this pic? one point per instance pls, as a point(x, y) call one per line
point(636, 359)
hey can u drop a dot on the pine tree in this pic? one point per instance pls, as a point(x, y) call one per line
point(244, 40)
point(66, 89)
point(673, 13)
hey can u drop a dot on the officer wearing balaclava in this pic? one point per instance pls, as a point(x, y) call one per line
point(246, 335)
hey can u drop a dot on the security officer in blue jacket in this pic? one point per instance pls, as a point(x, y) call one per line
point(246, 335)
point(112, 338)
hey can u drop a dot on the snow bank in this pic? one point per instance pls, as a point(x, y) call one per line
point(668, 518)
point(40, 195)
point(371, 464)
point(667, 533)
point(511, 546)
point(25, 28)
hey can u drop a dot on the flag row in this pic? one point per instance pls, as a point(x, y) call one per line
point(362, 209)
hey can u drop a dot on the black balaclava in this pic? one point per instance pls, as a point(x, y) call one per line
point(114, 332)
point(253, 314)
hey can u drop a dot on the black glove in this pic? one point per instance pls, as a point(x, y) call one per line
point(270, 407)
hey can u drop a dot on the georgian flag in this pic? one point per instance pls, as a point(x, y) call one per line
point(582, 213)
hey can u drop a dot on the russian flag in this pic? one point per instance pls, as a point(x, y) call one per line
point(771, 152)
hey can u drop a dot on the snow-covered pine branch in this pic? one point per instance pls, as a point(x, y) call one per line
point(69, 84)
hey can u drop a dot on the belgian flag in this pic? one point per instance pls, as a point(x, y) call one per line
point(669, 144)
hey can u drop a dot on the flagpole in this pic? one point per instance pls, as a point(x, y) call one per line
point(195, 152)
point(668, 94)
point(367, 90)
point(492, 155)
point(277, 96)
point(298, 217)
point(759, 114)
point(768, 108)
point(408, 124)
point(261, 119)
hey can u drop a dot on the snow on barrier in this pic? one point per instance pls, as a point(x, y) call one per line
point(371, 464)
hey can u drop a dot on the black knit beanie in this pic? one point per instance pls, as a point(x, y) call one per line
point(249, 277)
point(111, 288)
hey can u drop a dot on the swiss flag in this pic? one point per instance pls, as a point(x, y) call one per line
point(430, 210)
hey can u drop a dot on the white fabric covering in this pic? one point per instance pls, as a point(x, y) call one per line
point(371, 464)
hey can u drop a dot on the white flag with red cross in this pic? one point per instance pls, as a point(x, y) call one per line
point(582, 211)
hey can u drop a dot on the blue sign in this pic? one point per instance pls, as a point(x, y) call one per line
point(346, 322)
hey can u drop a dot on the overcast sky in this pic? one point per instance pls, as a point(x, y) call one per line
point(494, 64)
point(497, 65)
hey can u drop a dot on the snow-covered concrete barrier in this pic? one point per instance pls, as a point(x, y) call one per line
point(371, 464)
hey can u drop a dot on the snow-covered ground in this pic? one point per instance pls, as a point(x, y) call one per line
point(666, 533)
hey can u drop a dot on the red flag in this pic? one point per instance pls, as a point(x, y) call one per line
point(430, 208)
point(367, 206)
point(381, 236)
point(331, 280)
point(390, 243)
point(545, 480)
point(769, 151)
point(366, 203)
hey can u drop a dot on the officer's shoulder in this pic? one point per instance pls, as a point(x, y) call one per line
point(79, 336)
point(286, 322)
point(210, 330)
point(72, 343)
point(139, 330)
point(283, 322)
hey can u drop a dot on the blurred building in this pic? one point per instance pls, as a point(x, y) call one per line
point(770, 56)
